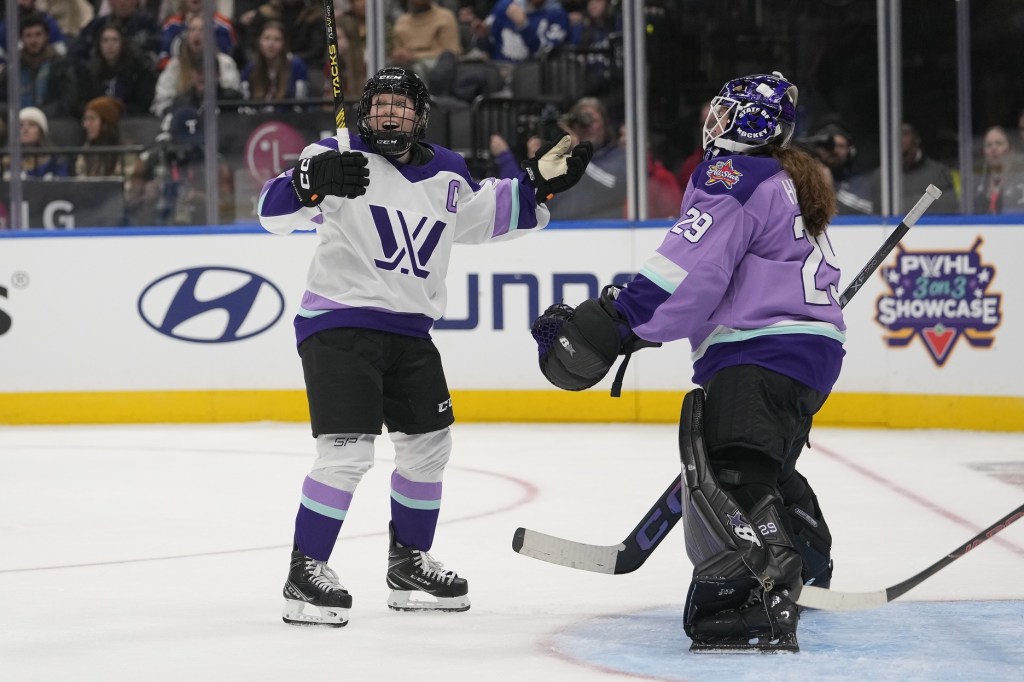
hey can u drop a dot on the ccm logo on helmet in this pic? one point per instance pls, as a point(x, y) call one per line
point(211, 305)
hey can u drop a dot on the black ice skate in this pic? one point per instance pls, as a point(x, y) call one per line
point(419, 583)
point(765, 623)
point(313, 595)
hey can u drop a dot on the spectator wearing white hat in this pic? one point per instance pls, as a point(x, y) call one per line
point(34, 137)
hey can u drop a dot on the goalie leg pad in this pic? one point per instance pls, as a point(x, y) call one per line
point(742, 568)
point(809, 531)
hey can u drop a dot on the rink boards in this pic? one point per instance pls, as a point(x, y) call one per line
point(194, 326)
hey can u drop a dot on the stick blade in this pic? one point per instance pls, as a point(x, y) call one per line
point(594, 558)
point(831, 600)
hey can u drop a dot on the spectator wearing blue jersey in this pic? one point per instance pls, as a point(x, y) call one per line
point(275, 74)
point(592, 32)
point(173, 31)
point(524, 29)
point(167, 185)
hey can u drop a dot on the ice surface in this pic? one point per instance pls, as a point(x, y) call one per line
point(158, 553)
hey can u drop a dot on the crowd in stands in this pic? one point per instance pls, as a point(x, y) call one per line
point(98, 62)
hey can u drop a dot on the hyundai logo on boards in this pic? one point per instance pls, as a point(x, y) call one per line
point(211, 304)
point(5, 319)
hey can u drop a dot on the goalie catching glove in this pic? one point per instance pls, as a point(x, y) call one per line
point(339, 174)
point(555, 168)
point(577, 346)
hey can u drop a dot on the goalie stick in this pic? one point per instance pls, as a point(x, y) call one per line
point(625, 557)
point(631, 553)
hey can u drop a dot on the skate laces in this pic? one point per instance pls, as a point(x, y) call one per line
point(432, 568)
point(323, 576)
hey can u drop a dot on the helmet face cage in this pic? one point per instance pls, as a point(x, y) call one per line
point(750, 112)
point(401, 82)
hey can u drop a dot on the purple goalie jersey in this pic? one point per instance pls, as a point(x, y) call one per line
point(740, 277)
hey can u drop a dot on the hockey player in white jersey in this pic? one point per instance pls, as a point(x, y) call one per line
point(387, 208)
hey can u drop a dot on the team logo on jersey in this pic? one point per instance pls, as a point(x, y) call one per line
point(742, 529)
point(940, 296)
point(724, 173)
point(409, 247)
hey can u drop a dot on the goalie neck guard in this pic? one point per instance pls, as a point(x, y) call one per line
point(751, 112)
point(393, 142)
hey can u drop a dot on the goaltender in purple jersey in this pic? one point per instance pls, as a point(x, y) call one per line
point(749, 276)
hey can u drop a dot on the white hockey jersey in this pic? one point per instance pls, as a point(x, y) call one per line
point(382, 258)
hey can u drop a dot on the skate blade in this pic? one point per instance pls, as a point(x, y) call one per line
point(414, 600)
point(783, 645)
point(301, 613)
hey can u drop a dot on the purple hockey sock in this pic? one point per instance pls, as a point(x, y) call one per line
point(414, 510)
point(319, 520)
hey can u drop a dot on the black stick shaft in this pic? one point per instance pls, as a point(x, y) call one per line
point(930, 194)
point(912, 582)
point(334, 64)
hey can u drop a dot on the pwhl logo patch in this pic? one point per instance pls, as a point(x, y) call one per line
point(211, 305)
point(940, 296)
point(724, 173)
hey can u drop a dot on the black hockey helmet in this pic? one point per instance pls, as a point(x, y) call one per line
point(398, 81)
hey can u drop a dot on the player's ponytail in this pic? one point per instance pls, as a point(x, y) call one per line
point(814, 187)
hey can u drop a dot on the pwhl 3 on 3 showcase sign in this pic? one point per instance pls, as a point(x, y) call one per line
point(940, 296)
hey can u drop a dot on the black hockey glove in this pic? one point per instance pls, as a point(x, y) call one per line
point(555, 168)
point(340, 174)
point(577, 346)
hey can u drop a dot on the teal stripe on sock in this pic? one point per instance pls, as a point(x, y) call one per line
point(323, 509)
point(415, 504)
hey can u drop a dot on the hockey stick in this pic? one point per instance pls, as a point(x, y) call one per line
point(931, 193)
point(625, 557)
point(631, 553)
point(831, 600)
point(331, 28)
